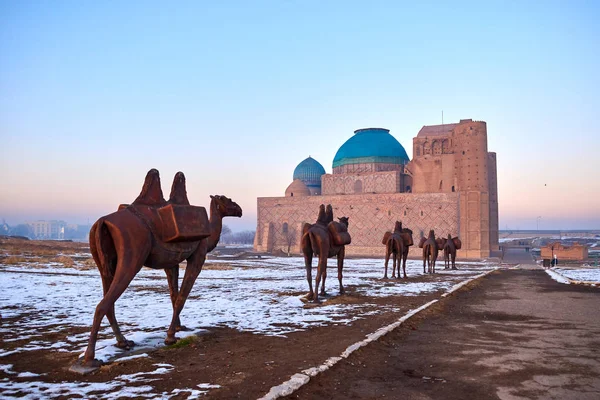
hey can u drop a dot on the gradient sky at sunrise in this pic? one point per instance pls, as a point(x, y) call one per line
point(237, 93)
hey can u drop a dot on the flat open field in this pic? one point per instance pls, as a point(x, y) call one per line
point(249, 326)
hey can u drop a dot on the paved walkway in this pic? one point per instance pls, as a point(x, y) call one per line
point(518, 256)
point(516, 334)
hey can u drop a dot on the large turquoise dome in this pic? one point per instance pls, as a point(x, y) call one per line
point(309, 171)
point(371, 145)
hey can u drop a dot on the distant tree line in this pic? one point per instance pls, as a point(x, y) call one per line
point(243, 237)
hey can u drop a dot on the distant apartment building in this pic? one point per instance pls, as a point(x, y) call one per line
point(48, 229)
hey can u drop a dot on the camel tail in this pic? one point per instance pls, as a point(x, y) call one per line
point(394, 245)
point(102, 248)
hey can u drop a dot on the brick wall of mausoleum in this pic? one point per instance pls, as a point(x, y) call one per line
point(280, 219)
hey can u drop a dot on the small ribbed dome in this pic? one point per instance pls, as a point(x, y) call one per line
point(297, 188)
point(310, 171)
point(371, 145)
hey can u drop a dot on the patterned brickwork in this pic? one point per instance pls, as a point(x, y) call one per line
point(374, 182)
point(366, 167)
point(371, 215)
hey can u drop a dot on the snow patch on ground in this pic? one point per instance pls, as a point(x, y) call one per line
point(263, 296)
point(582, 275)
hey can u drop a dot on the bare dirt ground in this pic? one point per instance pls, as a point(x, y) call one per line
point(515, 334)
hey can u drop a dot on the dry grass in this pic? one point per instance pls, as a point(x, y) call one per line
point(40, 251)
point(65, 260)
point(217, 267)
point(13, 260)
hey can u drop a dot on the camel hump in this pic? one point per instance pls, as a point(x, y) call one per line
point(398, 227)
point(178, 191)
point(422, 242)
point(151, 193)
point(321, 217)
point(328, 214)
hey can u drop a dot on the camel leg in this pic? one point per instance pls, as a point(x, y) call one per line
point(454, 261)
point(324, 277)
point(126, 270)
point(387, 259)
point(403, 265)
point(122, 342)
point(424, 260)
point(194, 265)
point(340, 262)
point(322, 267)
point(308, 256)
point(173, 279)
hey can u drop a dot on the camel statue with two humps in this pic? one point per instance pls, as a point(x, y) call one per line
point(155, 233)
point(397, 244)
point(326, 238)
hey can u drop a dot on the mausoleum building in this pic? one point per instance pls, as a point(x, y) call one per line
point(450, 186)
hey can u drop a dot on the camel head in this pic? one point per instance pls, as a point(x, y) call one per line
point(344, 221)
point(225, 206)
point(431, 234)
point(398, 226)
point(449, 237)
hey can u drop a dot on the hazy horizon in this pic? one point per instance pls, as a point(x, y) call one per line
point(235, 95)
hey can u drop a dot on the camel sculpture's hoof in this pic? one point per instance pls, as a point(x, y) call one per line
point(170, 340)
point(454, 268)
point(82, 368)
point(310, 296)
point(127, 344)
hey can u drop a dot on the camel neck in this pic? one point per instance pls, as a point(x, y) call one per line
point(216, 224)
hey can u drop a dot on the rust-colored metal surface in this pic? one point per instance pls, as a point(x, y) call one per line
point(158, 234)
point(320, 239)
point(450, 246)
point(431, 248)
point(397, 244)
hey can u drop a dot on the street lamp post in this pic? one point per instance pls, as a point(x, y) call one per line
point(538, 224)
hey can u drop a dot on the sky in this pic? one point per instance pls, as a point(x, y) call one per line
point(235, 94)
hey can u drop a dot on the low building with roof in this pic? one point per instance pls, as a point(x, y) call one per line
point(450, 186)
point(574, 252)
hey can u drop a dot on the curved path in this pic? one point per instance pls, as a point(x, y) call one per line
point(515, 334)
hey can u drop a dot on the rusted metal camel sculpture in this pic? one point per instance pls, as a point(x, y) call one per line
point(431, 248)
point(158, 234)
point(324, 239)
point(450, 246)
point(397, 244)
